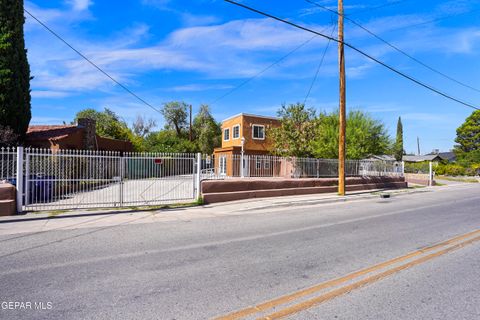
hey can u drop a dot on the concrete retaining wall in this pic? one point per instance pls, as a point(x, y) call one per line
point(229, 190)
point(418, 178)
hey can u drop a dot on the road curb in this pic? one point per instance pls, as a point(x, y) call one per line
point(338, 199)
point(83, 214)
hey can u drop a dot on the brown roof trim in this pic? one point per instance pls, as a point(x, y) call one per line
point(251, 115)
point(50, 132)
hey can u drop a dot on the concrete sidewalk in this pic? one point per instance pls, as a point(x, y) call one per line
point(75, 219)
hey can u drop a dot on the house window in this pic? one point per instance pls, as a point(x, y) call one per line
point(236, 131)
point(258, 132)
point(226, 134)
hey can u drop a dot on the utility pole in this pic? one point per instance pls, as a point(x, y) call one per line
point(190, 136)
point(418, 145)
point(342, 111)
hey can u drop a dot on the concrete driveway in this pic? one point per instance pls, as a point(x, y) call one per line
point(139, 192)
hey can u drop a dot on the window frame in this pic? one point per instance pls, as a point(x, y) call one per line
point(225, 130)
point(233, 132)
point(253, 131)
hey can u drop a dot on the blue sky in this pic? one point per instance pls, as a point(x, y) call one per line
point(197, 51)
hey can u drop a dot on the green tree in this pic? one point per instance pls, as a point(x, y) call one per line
point(364, 136)
point(14, 69)
point(468, 159)
point(109, 124)
point(168, 141)
point(206, 130)
point(8, 138)
point(297, 129)
point(468, 135)
point(175, 114)
point(398, 149)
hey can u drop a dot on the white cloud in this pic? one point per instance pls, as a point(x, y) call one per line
point(80, 5)
point(49, 94)
point(220, 51)
point(199, 87)
point(235, 49)
point(198, 20)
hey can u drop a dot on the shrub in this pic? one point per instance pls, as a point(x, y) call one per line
point(454, 170)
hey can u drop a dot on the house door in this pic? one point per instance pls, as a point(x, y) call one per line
point(245, 166)
point(222, 166)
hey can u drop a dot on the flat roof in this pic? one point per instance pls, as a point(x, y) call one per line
point(250, 115)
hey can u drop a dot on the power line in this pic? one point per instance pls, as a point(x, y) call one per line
point(319, 66)
point(92, 63)
point(397, 48)
point(263, 70)
point(359, 51)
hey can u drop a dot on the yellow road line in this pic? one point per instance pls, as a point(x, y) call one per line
point(338, 292)
point(308, 291)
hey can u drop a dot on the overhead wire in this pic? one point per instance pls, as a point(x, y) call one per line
point(258, 74)
point(418, 82)
point(125, 88)
point(319, 66)
point(396, 48)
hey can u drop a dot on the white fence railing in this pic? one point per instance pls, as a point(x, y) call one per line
point(8, 164)
point(224, 166)
point(92, 179)
point(67, 179)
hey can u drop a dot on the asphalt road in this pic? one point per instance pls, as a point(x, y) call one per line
point(204, 268)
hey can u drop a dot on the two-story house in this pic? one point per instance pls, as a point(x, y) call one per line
point(253, 132)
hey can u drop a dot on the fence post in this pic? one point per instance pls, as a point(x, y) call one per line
point(27, 179)
point(198, 179)
point(120, 181)
point(430, 174)
point(19, 177)
point(242, 167)
point(403, 168)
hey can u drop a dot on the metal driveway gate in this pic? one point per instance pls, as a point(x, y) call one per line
point(68, 179)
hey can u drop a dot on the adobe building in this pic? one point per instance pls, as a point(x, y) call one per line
point(254, 130)
point(81, 136)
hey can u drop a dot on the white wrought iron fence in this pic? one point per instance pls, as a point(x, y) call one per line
point(59, 179)
point(67, 179)
point(224, 166)
point(158, 178)
point(8, 164)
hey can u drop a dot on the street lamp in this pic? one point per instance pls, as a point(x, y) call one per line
point(242, 164)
